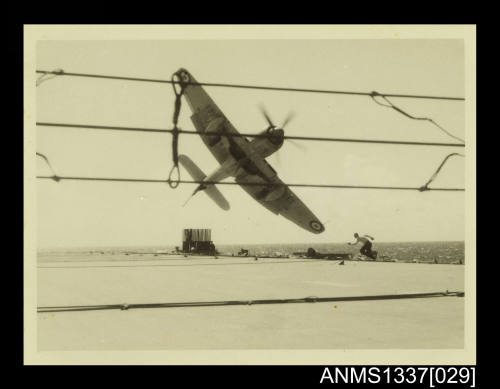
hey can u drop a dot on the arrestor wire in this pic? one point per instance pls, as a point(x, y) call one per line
point(192, 304)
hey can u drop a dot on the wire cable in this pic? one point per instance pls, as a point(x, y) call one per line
point(145, 180)
point(301, 138)
point(274, 88)
point(182, 82)
point(309, 299)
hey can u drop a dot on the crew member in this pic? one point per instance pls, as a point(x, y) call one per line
point(366, 249)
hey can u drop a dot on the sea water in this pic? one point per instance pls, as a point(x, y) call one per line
point(432, 252)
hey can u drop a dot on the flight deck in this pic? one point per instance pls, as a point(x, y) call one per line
point(159, 301)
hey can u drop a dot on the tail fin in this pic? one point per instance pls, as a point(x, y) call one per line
point(198, 175)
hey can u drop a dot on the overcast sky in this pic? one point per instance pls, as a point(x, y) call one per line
point(73, 213)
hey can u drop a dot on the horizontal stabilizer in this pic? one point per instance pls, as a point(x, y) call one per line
point(193, 170)
point(197, 174)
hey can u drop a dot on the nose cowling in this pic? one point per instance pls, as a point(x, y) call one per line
point(276, 136)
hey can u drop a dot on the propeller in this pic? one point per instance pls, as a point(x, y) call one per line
point(273, 126)
point(286, 121)
point(266, 115)
point(298, 145)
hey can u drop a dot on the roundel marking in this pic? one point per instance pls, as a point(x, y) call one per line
point(316, 226)
point(185, 76)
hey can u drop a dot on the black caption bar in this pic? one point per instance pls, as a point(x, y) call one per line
point(284, 376)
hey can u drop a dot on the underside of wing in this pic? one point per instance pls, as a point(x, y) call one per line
point(279, 199)
point(255, 175)
point(211, 123)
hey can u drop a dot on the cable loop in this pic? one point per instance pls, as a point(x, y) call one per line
point(425, 187)
point(49, 75)
point(389, 104)
point(176, 130)
point(174, 183)
point(375, 94)
point(55, 177)
point(175, 82)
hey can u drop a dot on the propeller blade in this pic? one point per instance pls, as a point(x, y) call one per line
point(287, 120)
point(301, 147)
point(266, 115)
point(190, 197)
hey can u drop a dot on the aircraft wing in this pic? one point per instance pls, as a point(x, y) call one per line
point(272, 193)
point(208, 118)
point(279, 199)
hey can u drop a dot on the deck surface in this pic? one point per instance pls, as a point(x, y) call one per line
point(403, 324)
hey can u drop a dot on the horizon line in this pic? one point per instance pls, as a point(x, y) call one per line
point(240, 243)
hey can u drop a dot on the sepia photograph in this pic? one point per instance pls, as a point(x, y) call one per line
point(249, 194)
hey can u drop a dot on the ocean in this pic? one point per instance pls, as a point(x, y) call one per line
point(440, 252)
